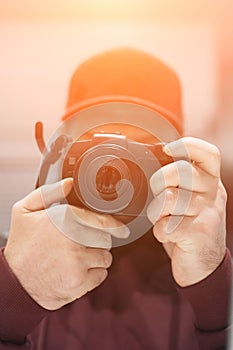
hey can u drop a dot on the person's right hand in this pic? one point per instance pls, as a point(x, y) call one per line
point(54, 269)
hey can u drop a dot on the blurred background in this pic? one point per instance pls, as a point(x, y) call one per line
point(42, 42)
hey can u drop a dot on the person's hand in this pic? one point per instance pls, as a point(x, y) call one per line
point(60, 252)
point(188, 210)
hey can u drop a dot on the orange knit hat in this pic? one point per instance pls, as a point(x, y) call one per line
point(126, 75)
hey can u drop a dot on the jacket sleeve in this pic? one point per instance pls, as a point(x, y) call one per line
point(211, 302)
point(19, 313)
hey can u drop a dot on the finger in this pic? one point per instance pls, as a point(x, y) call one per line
point(97, 258)
point(174, 201)
point(104, 222)
point(185, 230)
point(206, 155)
point(176, 229)
point(65, 221)
point(95, 277)
point(184, 175)
point(44, 196)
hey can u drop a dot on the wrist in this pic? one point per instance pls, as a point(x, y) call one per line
point(211, 309)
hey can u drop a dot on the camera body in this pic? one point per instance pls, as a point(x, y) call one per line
point(111, 174)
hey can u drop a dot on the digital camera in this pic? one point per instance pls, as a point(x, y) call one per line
point(111, 173)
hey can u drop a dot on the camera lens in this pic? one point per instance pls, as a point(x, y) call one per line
point(107, 178)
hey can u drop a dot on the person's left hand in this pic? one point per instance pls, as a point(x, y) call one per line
point(188, 209)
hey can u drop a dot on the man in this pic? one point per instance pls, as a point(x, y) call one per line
point(169, 289)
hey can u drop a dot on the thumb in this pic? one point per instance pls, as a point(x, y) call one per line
point(44, 196)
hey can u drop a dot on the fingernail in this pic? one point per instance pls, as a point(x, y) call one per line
point(167, 150)
point(125, 232)
point(169, 147)
point(121, 232)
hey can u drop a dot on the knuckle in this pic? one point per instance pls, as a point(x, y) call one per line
point(71, 283)
point(183, 164)
point(100, 276)
point(198, 200)
point(159, 233)
point(17, 206)
point(185, 172)
point(170, 194)
point(107, 259)
point(75, 281)
point(222, 192)
point(216, 152)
